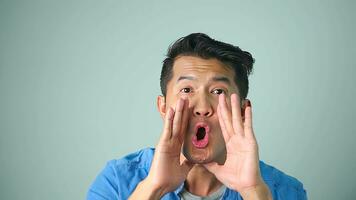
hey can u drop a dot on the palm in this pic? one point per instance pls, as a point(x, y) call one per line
point(167, 171)
point(167, 156)
point(241, 168)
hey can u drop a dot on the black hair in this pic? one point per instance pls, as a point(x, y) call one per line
point(201, 45)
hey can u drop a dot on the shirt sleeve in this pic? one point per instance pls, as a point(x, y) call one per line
point(104, 186)
point(290, 192)
point(302, 194)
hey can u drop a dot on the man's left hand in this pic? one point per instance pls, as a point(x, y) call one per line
point(241, 170)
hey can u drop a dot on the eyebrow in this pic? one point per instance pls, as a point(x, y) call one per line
point(191, 78)
point(214, 79)
point(221, 79)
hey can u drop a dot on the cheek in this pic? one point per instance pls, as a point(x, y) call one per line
point(214, 104)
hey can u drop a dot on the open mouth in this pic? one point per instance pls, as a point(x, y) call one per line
point(201, 137)
point(201, 133)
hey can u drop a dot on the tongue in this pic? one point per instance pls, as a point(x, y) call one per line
point(201, 139)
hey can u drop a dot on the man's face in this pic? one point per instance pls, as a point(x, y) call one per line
point(201, 81)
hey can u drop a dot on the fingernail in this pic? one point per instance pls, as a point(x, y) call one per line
point(186, 103)
point(221, 97)
point(180, 104)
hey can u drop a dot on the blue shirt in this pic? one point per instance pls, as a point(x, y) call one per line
point(120, 177)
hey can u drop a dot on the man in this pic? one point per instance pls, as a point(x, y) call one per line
point(208, 148)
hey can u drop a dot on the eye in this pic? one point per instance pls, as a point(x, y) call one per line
point(218, 91)
point(186, 90)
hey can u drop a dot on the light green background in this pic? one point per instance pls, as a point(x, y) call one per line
point(79, 80)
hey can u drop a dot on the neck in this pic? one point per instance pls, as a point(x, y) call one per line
point(201, 182)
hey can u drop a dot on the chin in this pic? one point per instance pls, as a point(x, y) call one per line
point(203, 156)
point(197, 159)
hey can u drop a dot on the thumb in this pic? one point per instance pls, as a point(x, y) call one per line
point(213, 167)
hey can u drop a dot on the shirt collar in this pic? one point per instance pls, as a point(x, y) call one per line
point(179, 189)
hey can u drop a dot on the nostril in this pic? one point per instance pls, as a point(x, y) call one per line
point(205, 113)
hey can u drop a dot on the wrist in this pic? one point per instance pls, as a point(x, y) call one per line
point(257, 192)
point(147, 190)
point(154, 189)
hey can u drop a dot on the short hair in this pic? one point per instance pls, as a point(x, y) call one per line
point(201, 45)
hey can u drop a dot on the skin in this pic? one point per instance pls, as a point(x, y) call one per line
point(200, 82)
point(203, 90)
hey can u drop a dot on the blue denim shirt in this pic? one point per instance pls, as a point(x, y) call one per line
point(120, 177)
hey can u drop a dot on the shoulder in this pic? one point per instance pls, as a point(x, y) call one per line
point(120, 176)
point(133, 163)
point(282, 185)
point(138, 160)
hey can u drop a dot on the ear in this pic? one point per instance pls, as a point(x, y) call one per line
point(243, 108)
point(161, 105)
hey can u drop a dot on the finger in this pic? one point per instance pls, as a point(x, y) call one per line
point(177, 121)
point(236, 114)
point(185, 120)
point(225, 114)
point(248, 121)
point(222, 126)
point(167, 130)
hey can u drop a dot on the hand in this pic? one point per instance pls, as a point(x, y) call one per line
point(241, 170)
point(167, 172)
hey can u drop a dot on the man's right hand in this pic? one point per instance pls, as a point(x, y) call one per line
point(167, 171)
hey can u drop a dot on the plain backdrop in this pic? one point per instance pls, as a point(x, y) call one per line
point(79, 81)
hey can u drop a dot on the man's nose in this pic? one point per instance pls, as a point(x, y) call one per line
point(203, 107)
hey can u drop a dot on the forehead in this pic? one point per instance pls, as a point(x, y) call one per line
point(196, 65)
